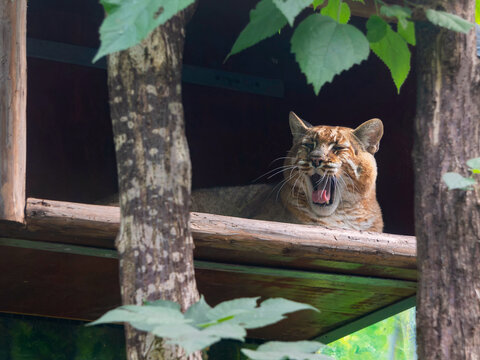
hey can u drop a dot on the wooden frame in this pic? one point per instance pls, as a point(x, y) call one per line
point(13, 77)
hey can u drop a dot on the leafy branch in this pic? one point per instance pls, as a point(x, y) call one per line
point(324, 44)
point(318, 51)
point(202, 325)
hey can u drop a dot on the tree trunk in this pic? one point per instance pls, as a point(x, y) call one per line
point(448, 222)
point(154, 174)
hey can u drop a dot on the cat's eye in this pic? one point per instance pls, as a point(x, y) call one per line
point(309, 145)
point(339, 147)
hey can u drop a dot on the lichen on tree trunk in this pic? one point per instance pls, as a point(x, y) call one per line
point(154, 174)
point(447, 129)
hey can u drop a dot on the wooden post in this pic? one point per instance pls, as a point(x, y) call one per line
point(13, 93)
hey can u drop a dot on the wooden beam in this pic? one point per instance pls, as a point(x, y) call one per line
point(13, 92)
point(245, 241)
point(81, 55)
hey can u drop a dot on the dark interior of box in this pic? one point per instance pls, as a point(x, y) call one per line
point(233, 135)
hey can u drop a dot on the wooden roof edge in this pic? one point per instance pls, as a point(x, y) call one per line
point(217, 234)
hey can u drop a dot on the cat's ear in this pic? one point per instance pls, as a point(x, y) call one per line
point(369, 134)
point(298, 126)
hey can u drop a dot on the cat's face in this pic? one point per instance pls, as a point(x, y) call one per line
point(329, 164)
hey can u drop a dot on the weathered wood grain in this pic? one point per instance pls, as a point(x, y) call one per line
point(245, 241)
point(13, 92)
point(73, 219)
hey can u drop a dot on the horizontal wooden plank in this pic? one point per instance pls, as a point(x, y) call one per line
point(309, 243)
point(244, 241)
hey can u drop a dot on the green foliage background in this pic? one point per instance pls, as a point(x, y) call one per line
point(390, 339)
point(31, 338)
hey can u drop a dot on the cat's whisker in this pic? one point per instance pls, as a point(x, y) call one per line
point(281, 168)
point(282, 158)
point(285, 182)
point(294, 187)
point(282, 183)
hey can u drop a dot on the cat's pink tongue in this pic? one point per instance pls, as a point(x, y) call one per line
point(321, 196)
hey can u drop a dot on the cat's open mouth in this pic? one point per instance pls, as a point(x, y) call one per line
point(323, 189)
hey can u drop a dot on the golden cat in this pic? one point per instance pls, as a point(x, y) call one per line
point(329, 180)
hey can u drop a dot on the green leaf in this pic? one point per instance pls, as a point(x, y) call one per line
point(130, 21)
point(232, 307)
point(449, 21)
point(188, 337)
point(284, 306)
point(198, 312)
point(408, 33)
point(324, 48)
point(226, 331)
point(291, 8)
point(457, 181)
point(164, 303)
point(192, 339)
point(394, 52)
point(265, 21)
point(474, 163)
point(337, 10)
point(172, 331)
point(397, 11)
point(376, 28)
point(145, 317)
point(295, 350)
point(317, 3)
point(110, 5)
point(270, 312)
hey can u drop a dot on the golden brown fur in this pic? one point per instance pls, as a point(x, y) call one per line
point(329, 180)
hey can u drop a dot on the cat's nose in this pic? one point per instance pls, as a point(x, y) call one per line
point(316, 160)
